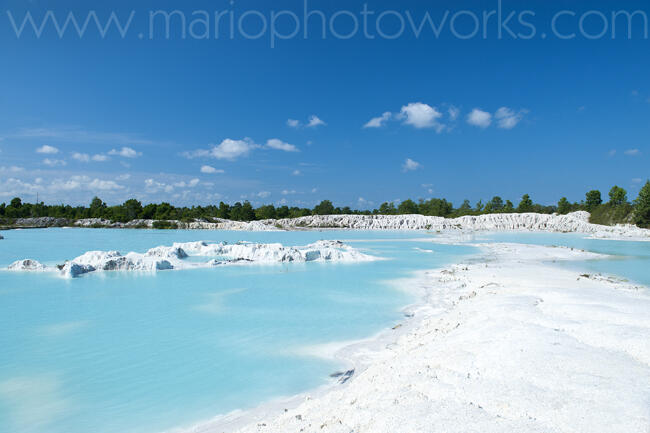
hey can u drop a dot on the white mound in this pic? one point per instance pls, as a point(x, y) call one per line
point(166, 258)
point(574, 222)
point(276, 253)
point(114, 261)
point(27, 265)
point(219, 224)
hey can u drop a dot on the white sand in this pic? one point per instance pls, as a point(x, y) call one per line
point(575, 222)
point(509, 342)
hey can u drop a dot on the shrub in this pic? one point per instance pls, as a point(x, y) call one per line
point(164, 225)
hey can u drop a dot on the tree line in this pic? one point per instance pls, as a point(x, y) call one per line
point(618, 209)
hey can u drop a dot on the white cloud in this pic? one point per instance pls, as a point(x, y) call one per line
point(314, 190)
point(277, 144)
point(479, 118)
point(13, 187)
point(190, 184)
point(453, 113)
point(363, 202)
point(16, 187)
point(125, 152)
point(312, 122)
point(378, 122)
point(207, 169)
point(289, 192)
point(507, 118)
point(104, 185)
point(637, 180)
point(153, 186)
point(54, 162)
point(232, 149)
point(84, 157)
point(123, 177)
point(296, 173)
point(421, 115)
point(67, 185)
point(263, 194)
point(12, 169)
point(84, 182)
point(410, 165)
point(48, 150)
point(632, 152)
point(612, 152)
point(315, 121)
point(81, 157)
point(228, 149)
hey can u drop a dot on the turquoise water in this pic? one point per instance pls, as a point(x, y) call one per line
point(129, 352)
point(630, 260)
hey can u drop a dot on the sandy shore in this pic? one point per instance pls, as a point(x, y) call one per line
point(508, 342)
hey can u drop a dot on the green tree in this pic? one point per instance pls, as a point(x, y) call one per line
point(387, 208)
point(563, 206)
point(324, 208)
point(235, 212)
point(495, 205)
point(132, 209)
point(407, 207)
point(526, 204)
point(97, 208)
point(464, 209)
point(164, 211)
point(224, 211)
point(282, 212)
point(593, 200)
point(642, 207)
point(509, 207)
point(617, 196)
point(435, 207)
point(149, 211)
point(266, 212)
point(247, 212)
point(16, 203)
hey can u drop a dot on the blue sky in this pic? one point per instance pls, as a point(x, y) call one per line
point(195, 121)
